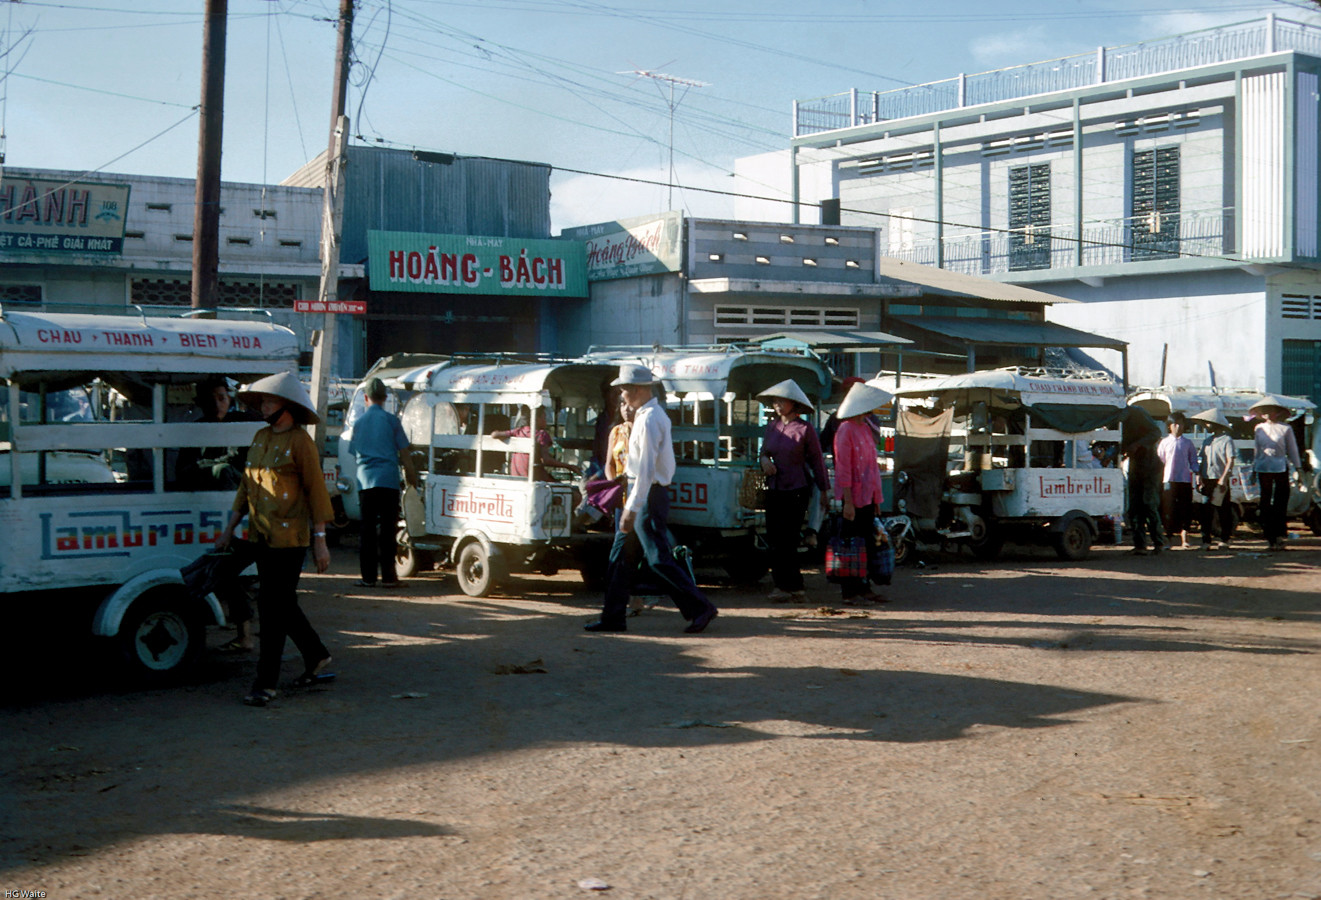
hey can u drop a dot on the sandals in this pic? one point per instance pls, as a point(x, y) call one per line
point(233, 646)
point(260, 697)
point(315, 675)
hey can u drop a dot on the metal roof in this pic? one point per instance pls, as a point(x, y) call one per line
point(1008, 332)
point(838, 341)
point(947, 281)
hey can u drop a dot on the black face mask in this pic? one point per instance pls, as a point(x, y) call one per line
point(275, 416)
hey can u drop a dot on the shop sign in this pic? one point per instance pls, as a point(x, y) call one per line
point(647, 245)
point(468, 264)
point(355, 307)
point(39, 215)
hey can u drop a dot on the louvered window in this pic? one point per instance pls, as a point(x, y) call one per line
point(1300, 369)
point(1029, 217)
point(1155, 227)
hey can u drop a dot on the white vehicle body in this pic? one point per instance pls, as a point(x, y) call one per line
point(1245, 493)
point(484, 520)
point(403, 375)
point(718, 424)
point(1020, 477)
point(80, 521)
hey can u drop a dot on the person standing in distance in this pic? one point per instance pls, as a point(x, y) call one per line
point(642, 530)
point(380, 447)
point(1216, 468)
point(1276, 450)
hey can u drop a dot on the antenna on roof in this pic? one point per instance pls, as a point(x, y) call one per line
point(671, 80)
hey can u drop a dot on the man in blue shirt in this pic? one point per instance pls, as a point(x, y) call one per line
point(380, 446)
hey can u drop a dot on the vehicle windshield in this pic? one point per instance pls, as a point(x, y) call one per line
point(69, 405)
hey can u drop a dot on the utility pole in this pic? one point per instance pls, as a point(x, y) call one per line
point(671, 80)
point(205, 291)
point(332, 211)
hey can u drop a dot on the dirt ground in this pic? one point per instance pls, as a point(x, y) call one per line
point(1121, 727)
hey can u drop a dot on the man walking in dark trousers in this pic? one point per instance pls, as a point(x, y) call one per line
point(642, 533)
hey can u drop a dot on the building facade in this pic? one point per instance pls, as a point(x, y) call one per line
point(674, 280)
point(1171, 187)
point(105, 243)
point(116, 243)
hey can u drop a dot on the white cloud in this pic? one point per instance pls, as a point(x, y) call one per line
point(1009, 48)
point(587, 199)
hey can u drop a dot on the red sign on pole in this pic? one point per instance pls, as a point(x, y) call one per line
point(355, 307)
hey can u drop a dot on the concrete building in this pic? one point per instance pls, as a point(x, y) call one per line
point(674, 280)
point(112, 243)
point(1171, 187)
point(79, 242)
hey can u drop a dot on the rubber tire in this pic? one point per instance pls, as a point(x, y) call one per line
point(905, 552)
point(1074, 542)
point(161, 635)
point(595, 571)
point(408, 561)
point(476, 572)
point(988, 547)
point(1313, 519)
point(746, 568)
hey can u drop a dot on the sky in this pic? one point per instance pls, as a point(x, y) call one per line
point(112, 86)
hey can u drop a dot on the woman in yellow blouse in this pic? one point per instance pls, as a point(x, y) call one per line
point(284, 497)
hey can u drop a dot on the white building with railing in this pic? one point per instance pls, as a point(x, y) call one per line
point(1171, 186)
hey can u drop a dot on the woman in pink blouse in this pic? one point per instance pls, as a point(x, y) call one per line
point(792, 462)
point(857, 476)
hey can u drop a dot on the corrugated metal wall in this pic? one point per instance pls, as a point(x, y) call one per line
point(1305, 163)
point(1263, 165)
point(389, 190)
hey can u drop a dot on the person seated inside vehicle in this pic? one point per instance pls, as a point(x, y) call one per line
point(213, 468)
point(518, 462)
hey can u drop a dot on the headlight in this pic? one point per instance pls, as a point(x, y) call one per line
point(902, 478)
point(344, 486)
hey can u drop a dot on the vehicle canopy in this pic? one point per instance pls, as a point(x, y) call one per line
point(541, 383)
point(717, 416)
point(1234, 403)
point(40, 346)
point(719, 371)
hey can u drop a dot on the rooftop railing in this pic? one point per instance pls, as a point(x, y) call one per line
point(1225, 43)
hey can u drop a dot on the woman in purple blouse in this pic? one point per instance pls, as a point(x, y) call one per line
point(791, 460)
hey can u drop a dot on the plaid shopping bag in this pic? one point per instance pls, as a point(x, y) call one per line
point(846, 558)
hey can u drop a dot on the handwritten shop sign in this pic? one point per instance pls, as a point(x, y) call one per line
point(38, 215)
point(647, 245)
point(467, 264)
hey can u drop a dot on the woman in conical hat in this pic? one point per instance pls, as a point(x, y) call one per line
point(858, 476)
point(1215, 472)
point(792, 462)
point(1276, 449)
point(283, 494)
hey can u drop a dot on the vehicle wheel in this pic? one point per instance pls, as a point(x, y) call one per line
point(408, 560)
point(476, 570)
point(905, 552)
point(1313, 520)
point(747, 567)
point(161, 635)
point(1075, 541)
point(986, 546)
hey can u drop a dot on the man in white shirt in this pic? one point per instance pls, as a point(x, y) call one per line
point(642, 530)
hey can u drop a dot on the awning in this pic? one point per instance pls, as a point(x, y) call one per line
point(946, 281)
point(1007, 332)
point(836, 341)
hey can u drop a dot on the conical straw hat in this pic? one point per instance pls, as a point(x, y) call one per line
point(287, 387)
point(862, 399)
point(787, 390)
